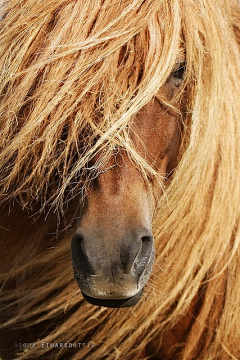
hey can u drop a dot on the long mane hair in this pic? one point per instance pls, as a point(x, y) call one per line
point(73, 74)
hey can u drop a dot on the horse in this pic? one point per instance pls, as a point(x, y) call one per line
point(119, 179)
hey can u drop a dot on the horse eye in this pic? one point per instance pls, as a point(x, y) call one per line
point(179, 72)
point(178, 75)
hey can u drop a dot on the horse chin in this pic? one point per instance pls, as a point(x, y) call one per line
point(112, 303)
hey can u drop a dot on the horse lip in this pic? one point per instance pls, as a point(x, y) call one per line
point(102, 294)
point(115, 303)
point(107, 297)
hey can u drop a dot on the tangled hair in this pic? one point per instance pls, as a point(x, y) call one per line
point(73, 74)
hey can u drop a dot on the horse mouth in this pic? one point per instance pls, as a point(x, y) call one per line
point(112, 303)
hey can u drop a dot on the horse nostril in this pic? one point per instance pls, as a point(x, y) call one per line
point(136, 254)
point(79, 256)
point(78, 244)
point(144, 254)
point(147, 238)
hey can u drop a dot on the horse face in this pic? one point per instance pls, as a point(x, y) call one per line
point(113, 249)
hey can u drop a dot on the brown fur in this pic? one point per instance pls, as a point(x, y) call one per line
point(74, 75)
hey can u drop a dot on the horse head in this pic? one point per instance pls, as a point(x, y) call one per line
point(113, 248)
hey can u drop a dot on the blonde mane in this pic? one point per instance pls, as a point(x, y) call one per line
point(73, 74)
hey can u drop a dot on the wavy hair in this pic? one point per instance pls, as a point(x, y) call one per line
point(73, 74)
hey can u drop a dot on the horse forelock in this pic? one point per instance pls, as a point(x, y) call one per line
point(81, 74)
point(73, 76)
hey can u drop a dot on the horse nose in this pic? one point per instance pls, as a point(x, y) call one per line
point(132, 254)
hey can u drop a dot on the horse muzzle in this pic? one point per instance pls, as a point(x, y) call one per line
point(113, 276)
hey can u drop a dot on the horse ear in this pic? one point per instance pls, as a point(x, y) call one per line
point(236, 21)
